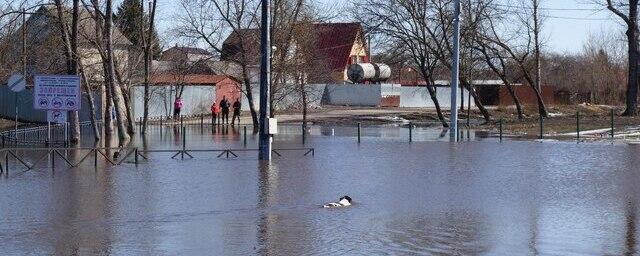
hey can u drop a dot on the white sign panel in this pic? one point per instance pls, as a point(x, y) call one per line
point(57, 116)
point(57, 93)
point(16, 83)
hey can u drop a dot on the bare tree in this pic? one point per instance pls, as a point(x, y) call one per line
point(405, 24)
point(495, 58)
point(630, 19)
point(238, 18)
point(517, 42)
point(285, 20)
point(148, 45)
point(114, 97)
point(70, 44)
point(443, 48)
point(114, 88)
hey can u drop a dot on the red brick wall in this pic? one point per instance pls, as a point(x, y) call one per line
point(390, 101)
point(527, 95)
point(228, 88)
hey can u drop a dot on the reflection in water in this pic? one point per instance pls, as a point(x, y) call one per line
point(267, 188)
point(482, 197)
point(630, 215)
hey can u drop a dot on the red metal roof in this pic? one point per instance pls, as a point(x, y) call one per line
point(188, 79)
point(334, 43)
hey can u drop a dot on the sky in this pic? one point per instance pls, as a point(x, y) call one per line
point(567, 26)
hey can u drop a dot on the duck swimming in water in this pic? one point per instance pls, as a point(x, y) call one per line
point(344, 202)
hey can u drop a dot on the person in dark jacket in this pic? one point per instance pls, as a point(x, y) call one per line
point(237, 106)
point(224, 106)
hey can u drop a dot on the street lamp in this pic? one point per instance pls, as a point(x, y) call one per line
point(264, 141)
point(455, 73)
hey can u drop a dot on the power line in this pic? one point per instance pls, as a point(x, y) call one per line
point(553, 9)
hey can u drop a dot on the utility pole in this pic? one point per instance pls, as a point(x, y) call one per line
point(455, 73)
point(24, 65)
point(536, 35)
point(264, 144)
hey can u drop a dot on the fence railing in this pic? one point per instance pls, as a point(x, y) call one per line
point(30, 158)
point(55, 135)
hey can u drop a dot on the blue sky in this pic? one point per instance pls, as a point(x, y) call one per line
point(565, 30)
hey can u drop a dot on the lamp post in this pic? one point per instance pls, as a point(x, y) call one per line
point(264, 143)
point(455, 73)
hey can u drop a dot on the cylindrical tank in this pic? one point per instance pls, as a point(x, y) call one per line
point(369, 72)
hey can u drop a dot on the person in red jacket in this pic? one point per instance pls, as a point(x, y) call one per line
point(214, 113)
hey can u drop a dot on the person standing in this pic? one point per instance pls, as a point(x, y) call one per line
point(224, 105)
point(237, 106)
point(177, 107)
point(214, 113)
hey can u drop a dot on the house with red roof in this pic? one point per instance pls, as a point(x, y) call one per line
point(337, 46)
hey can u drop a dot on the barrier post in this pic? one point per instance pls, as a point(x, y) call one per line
point(136, 157)
point(359, 127)
point(578, 126)
point(541, 127)
point(612, 123)
point(53, 160)
point(245, 136)
point(184, 141)
point(501, 121)
point(304, 134)
point(6, 163)
point(410, 132)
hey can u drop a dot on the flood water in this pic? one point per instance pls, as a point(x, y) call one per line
point(429, 197)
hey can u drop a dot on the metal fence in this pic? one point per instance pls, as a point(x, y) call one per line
point(55, 135)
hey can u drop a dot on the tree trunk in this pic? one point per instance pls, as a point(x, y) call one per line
point(476, 99)
point(434, 96)
point(542, 109)
point(92, 104)
point(632, 83)
point(129, 113)
point(249, 93)
point(118, 100)
point(71, 55)
point(305, 106)
point(108, 103)
point(147, 66)
point(516, 101)
point(126, 99)
point(504, 79)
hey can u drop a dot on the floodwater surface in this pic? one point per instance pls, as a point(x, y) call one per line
point(429, 197)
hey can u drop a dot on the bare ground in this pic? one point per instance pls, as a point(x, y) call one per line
point(6, 124)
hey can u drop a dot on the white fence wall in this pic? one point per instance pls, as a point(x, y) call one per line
point(418, 97)
point(197, 100)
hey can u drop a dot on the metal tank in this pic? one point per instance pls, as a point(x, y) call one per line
point(369, 72)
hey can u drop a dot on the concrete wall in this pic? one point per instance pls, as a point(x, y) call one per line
point(418, 97)
point(26, 112)
point(197, 100)
point(291, 99)
point(352, 95)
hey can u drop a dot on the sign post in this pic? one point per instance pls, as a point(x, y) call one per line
point(57, 94)
point(16, 84)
